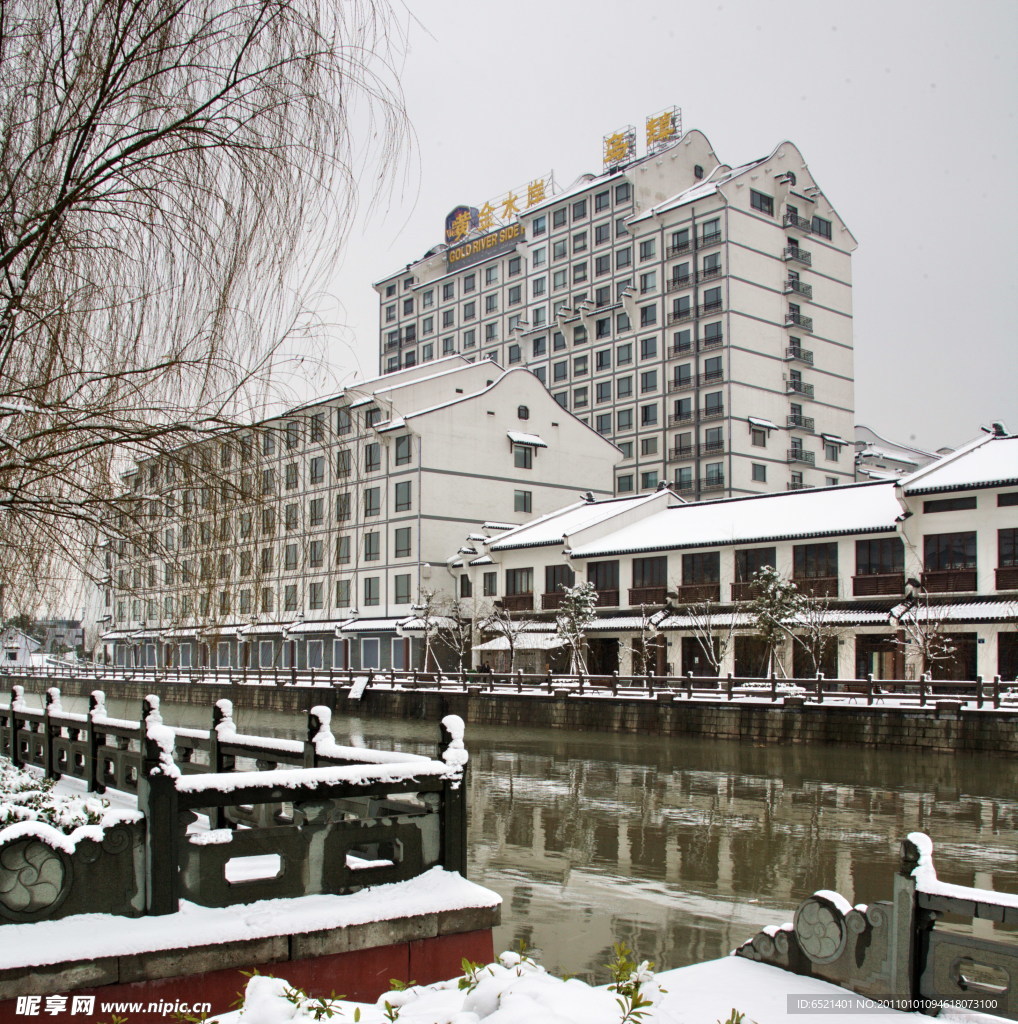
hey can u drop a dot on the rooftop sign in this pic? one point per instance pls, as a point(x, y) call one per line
point(662, 129)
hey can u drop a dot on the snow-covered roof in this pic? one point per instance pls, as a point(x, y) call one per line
point(965, 611)
point(524, 642)
point(818, 512)
point(989, 462)
point(321, 626)
point(553, 527)
point(372, 625)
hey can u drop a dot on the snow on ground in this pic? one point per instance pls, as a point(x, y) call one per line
point(515, 990)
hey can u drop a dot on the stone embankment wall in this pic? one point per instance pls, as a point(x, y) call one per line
point(946, 728)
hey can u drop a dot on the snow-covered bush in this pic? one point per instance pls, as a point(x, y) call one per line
point(26, 796)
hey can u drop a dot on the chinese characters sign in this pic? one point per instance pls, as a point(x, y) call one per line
point(662, 129)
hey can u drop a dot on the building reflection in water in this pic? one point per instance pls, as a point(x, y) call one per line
point(684, 848)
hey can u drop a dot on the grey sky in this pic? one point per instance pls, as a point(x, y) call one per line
point(903, 110)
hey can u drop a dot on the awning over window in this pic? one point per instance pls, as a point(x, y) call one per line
point(758, 421)
point(518, 437)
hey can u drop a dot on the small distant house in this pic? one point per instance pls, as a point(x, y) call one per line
point(18, 648)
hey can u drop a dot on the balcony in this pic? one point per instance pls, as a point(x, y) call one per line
point(607, 598)
point(681, 349)
point(647, 595)
point(709, 275)
point(712, 484)
point(680, 421)
point(818, 586)
point(682, 451)
point(709, 308)
point(798, 485)
point(742, 591)
point(803, 256)
point(1007, 577)
point(799, 287)
point(550, 601)
point(800, 455)
point(714, 238)
point(799, 320)
point(716, 412)
point(802, 423)
point(882, 584)
point(518, 602)
point(793, 220)
point(712, 448)
point(712, 377)
point(677, 283)
point(803, 355)
point(689, 592)
point(682, 314)
point(714, 341)
point(678, 250)
point(682, 383)
point(949, 581)
point(800, 387)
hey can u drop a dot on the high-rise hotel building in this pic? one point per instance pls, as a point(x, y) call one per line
point(698, 314)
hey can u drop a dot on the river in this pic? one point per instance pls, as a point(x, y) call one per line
point(685, 848)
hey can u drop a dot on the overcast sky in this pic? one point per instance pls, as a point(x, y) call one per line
point(904, 112)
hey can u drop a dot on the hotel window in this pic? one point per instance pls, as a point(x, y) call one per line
point(558, 217)
point(624, 483)
point(648, 348)
point(761, 202)
point(491, 275)
point(344, 424)
point(881, 557)
point(579, 272)
point(648, 381)
point(759, 473)
point(623, 192)
point(371, 592)
point(540, 346)
point(711, 230)
point(603, 327)
point(342, 507)
point(491, 332)
point(372, 417)
point(372, 501)
point(515, 295)
point(648, 281)
point(448, 318)
point(560, 371)
point(814, 561)
point(624, 354)
point(602, 201)
point(602, 266)
point(711, 300)
point(342, 593)
point(427, 352)
point(290, 597)
point(515, 265)
point(522, 501)
point(469, 338)
point(624, 387)
point(469, 283)
point(489, 583)
point(602, 234)
point(448, 291)
point(562, 397)
point(648, 249)
point(648, 316)
point(949, 551)
point(290, 516)
point(559, 249)
point(408, 306)
point(580, 398)
point(469, 311)
point(317, 470)
point(372, 456)
point(623, 258)
point(832, 451)
point(343, 550)
point(290, 557)
point(624, 419)
point(580, 241)
point(821, 227)
point(401, 588)
point(749, 562)
point(428, 299)
point(372, 546)
point(758, 437)
point(390, 313)
point(316, 511)
point(603, 423)
point(404, 496)
point(428, 325)
point(538, 226)
point(401, 542)
point(316, 554)
point(648, 446)
point(292, 434)
point(603, 391)
point(579, 209)
point(539, 287)
point(448, 346)
point(579, 365)
point(648, 415)
point(713, 403)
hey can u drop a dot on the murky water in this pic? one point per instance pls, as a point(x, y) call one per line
point(684, 848)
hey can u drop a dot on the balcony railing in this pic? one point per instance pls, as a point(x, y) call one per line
point(799, 320)
point(742, 591)
point(689, 592)
point(878, 584)
point(798, 485)
point(678, 250)
point(709, 275)
point(682, 451)
point(680, 421)
point(802, 423)
point(714, 341)
point(682, 383)
point(607, 599)
point(946, 581)
point(799, 287)
point(818, 586)
point(793, 220)
point(804, 256)
point(713, 238)
point(712, 448)
point(681, 349)
point(676, 317)
point(677, 283)
point(712, 377)
point(715, 413)
point(714, 483)
point(648, 595)
point(709, 308)
point(803, 355)
point(552, 600)
point(1007, 577)
point(800, 455)
point(518, 602)
point(800, 387)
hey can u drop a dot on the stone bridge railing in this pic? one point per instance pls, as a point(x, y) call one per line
point(894, 949)
point(318, 817)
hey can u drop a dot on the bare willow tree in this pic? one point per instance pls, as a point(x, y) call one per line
point(175, 177)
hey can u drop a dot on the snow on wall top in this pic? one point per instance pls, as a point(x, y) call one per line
point(989, 462)
point(854, 508)
point(49, 942)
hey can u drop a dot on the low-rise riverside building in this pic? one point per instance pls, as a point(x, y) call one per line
point(303, 541)
point(890, 565)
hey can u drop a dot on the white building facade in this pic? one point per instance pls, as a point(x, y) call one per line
point(938, 548)
point(697, 314)
point(308, 538)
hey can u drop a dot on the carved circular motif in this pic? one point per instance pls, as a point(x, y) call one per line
point(34, 879)
point(117, 839)
point(820, 929)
